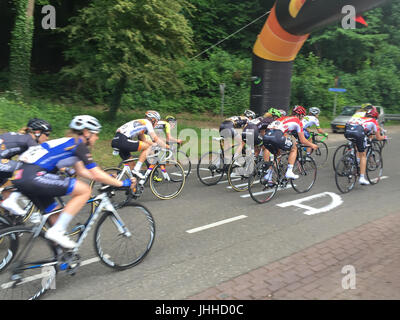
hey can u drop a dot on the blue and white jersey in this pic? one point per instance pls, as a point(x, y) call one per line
point(51, 154)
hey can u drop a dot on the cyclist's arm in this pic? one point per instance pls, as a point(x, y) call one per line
point(96, 174)
point(379, 136)
point(304, 141)
point(158, 140)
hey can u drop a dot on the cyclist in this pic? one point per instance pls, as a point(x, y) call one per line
point(11, 144)
point(357, 129)
point(137, 129)
point(312, 120)
point(167, 125)
point(35, 178)
point(276, 138)
point(361, 112)
point(228, 126)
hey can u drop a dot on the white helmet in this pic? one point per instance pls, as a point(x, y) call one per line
point(314, 111)
point(85, 122)
point(249, 114)
point(153, 115)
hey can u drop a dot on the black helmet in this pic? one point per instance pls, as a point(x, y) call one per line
point(39, 124)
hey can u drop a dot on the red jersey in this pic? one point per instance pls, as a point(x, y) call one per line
point(287, 124)
point(369, 124)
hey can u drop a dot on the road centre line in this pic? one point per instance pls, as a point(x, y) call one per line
point(215, 224)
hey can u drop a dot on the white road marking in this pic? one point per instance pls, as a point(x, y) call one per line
point(336, 201)
point(215, 224)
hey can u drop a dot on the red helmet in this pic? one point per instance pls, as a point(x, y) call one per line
point(299, 110)
point(373, 112)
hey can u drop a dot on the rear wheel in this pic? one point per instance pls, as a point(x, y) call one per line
point(346, 173)
point(30, 278)
point(210, 168)
point(239, 172)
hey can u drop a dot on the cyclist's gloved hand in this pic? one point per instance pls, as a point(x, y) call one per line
point(325, 134)
point(126, 183)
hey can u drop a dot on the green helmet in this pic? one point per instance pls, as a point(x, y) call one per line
point(170, 119)
point(274, 112)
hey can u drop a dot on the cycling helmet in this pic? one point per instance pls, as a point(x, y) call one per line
point(249, 114)
point(314, 111)
point(299, 110)
point(39, 124)
point(170, 119)
point(85, 122)
point(283, 112)
point(275, 112)
point(366, 106)
point(151, 114)
point(373, 112)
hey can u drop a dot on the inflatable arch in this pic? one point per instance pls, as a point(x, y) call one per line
point(284, 33)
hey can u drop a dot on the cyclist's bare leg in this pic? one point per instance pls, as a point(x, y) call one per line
point(363, 162)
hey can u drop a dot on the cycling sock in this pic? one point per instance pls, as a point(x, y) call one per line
point(362, 176)
point(138, 166)
point(63, 221)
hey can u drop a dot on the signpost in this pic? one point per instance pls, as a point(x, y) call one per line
point(336, 91)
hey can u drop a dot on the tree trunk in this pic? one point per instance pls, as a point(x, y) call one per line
point(116, 97)
point(21, 47)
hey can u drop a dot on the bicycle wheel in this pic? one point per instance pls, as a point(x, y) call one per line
point(30, 278)
point(346, 173)
point(210, 168)
point(239, 172)
point(259, 189)
point(172, 180)
point(306, 169)
point(185, 162)
point(8, 244)
point(339, 152)
point(120, 248)
point(374, 166)
point(120, 197)
point(320, 155)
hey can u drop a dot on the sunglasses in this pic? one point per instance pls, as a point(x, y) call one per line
point(46, 133)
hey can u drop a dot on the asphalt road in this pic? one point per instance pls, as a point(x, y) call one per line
point(250, 235)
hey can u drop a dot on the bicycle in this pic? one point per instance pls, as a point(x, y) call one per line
point(183, 159)
point(348, 169)
point(320, 155)
point(211, 166)
point(166, 177)
point(36, 260)
point(263, 190)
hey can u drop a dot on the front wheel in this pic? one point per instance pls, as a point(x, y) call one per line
point(167, 180)
point(123, 241)
point(374, 166)
point(306, 169)
point(320, 155)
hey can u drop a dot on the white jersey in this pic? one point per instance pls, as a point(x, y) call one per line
point(309, 121)
point(133, 128)
point(287, 124)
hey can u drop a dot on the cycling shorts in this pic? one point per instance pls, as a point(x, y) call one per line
point(125, 145)
point(307, 134)
point(355, 133)
point(274, 140)
point(40, 186)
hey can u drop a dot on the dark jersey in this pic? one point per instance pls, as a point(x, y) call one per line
point(12, 143)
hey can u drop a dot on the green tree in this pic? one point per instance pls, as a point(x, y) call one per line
point(114, 43)
point(21, 46)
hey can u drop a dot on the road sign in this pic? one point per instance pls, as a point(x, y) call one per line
point(337, 90)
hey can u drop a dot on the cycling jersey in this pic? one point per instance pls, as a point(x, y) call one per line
point(164, 126)
point(309, 121)
point(50, 154)
point(369, 125)
point(134, 128)
point(238, 121)
point(12, 143)
point(289, 125)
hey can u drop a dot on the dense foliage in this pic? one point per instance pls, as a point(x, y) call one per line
point(160, 54)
